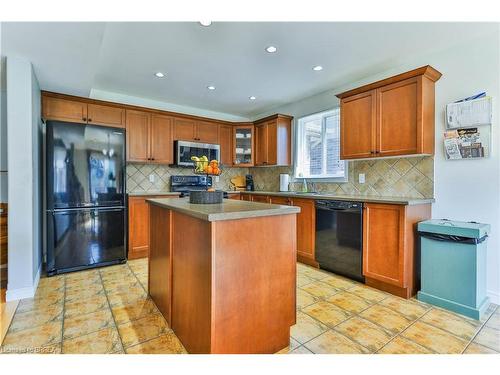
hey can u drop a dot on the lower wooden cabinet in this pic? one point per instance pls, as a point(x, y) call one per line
point(245, 197)
point(260, 198)
point(389, 246)
point(138, 226)
point(306, 231)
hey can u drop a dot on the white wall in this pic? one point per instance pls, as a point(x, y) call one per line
point(23, 126)
point(3, 125)
point(464, 190)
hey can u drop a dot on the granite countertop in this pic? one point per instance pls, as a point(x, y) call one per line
point(228, 210)
point(355, 198)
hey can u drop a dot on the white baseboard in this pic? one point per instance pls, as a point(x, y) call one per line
point(494, 297)
point(27, 292)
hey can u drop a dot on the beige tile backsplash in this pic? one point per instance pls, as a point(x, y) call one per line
point(400, 177)
point(138, 177)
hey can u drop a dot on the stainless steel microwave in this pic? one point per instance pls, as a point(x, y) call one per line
point(184, 150)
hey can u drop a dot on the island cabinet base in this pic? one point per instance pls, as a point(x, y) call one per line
point(225, 286)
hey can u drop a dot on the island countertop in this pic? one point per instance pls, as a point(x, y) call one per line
point(228, 210)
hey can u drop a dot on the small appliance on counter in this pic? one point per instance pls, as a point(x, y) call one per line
point(239, 183)
point(249, 183)
point(284, 182)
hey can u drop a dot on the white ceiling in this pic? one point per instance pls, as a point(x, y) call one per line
point(75, 58)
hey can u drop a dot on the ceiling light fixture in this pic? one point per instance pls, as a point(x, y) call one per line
point(271, 49)
point(159, 75)
point(205, 23)
point(252, 97)
point(317, 68)
point(211, 87)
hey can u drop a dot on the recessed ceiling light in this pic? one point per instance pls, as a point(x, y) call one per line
point(271, 49)
point(252, 97)
point(317, 68)
point(211, 87)
point(159, 75)
point(205, 23)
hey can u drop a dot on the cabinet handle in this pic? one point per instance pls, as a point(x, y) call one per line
point(84, 119)
point(90, 120)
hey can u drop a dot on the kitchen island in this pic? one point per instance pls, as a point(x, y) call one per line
point(223, 275)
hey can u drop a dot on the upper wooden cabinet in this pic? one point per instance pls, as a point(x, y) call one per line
point(63, 109)
point(226, 144)
point(105, 115)
point(195, 130)
point(273, 140)
point(391, 117)
point(243, 145)
point(149, 137)
point(389, 245)
point(55, 108)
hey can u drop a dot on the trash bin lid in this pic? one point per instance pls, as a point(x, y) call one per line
point(454, 228)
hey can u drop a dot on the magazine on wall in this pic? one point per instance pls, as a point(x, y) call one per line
point(464, 143)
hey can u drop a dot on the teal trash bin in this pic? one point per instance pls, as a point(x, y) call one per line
point(453, 265)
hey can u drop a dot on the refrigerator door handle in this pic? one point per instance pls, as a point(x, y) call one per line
point(95, 208)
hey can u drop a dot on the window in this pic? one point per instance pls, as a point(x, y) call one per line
point(318, 147)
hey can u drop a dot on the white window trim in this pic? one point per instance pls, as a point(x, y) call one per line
point(295, 178)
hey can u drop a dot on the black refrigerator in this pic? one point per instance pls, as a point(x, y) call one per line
point(85, 218)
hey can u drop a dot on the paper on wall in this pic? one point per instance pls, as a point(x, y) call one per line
point(469, 113)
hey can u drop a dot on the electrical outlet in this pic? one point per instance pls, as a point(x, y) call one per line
point(361, 178)
point(151, 178)
point(217, 178)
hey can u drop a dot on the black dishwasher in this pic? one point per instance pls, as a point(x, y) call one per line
point(339, 237)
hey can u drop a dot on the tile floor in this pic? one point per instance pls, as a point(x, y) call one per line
point(107, 311)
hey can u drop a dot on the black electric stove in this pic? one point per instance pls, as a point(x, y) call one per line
point(185, 184)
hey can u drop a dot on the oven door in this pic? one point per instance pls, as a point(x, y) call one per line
point(185, 150)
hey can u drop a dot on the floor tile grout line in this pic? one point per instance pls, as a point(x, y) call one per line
point(111, 311)
point(479, 330)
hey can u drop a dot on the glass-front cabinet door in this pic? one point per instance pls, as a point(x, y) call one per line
point(244, 146)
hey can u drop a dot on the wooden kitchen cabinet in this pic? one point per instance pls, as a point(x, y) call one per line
point(389, 246)
point(138, 136)
point(391, 117)
point(260, 198)
point(149, 138)
point(196, 131)
point(273, 141)
point(245, 197)
point(226, 144)
point(161, 143)
point(274, 199)
point(306, 231)
point(61, 109)
point(138, 226)
point(98, 114)
point(243, 145)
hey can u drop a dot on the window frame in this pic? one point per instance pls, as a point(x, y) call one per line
point(295, 177)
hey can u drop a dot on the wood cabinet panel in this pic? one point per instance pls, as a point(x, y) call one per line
point(138, 228)
point(383, 242)
point(399, 106)
point(184, 129)
point(138, 136)
point(160, 260)
point(260, 198)
point(106, 115)
point(226, 144)
point(207, 132)
point(358, 126)
point(261, 144)
point(245, 197)
point(306, 227)
point(162, 147)
point(274, 199)
point(64, 110)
